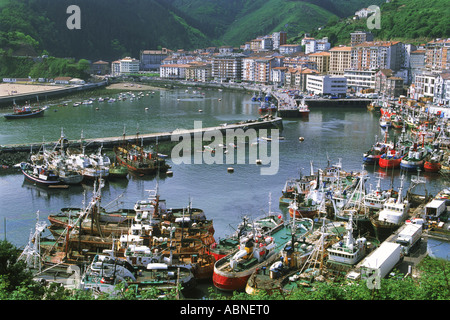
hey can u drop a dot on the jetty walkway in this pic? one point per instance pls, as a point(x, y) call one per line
point(109, 142)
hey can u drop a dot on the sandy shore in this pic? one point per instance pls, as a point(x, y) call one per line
point(12, 89)
point(132, 86)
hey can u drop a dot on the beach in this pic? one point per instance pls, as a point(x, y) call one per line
point(14, 89)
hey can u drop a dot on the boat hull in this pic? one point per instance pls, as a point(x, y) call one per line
point(431, 166)
point(411, 165)
point(35, 114)
point(389, 162)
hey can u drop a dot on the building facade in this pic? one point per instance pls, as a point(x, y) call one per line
point(227, 68)
point(340, 60)
point(129, 65)
point(152, 59)
point(322, 60)
point(327, 85)
point(359, 80)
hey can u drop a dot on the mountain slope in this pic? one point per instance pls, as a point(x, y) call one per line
point(414, 21)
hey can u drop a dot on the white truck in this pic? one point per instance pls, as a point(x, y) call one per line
point(381, 261)
point(408, 236)
point(435, 208)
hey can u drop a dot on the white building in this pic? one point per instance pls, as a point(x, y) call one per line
point(173, 71)
point(442, 89)
point(360, 79)
point(315, 45)
point(129, 65)
point(327, 85)
point(289, 49)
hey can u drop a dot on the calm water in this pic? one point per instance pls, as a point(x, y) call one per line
point(329, 133)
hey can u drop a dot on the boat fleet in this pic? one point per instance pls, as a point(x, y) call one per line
point(62, 166)
point(323, 234)
point(422, 139)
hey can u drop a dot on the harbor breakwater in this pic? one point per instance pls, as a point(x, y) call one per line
point(15, 153)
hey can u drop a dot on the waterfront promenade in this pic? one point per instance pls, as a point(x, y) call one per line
point(11, 93)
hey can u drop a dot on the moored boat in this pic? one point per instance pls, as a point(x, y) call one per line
point(233, 271)
point(25, 112)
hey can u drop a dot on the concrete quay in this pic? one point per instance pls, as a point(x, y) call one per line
point(109, 142)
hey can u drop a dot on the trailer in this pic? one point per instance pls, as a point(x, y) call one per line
point(435, 208)
point(409, 236)
point(381, 261)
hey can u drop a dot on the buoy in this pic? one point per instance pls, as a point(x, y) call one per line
point(230, 170)
point(301, 139)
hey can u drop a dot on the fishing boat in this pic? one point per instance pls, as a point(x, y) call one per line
point(348, 251)
point(414, 159)
point(308, 208)
point(25, 112)
point(271, 276)
point(140, 161)
point(118, 171)
point(375, 199)
point(397, 121)
point(433, 161)
point(385, 122)
point(41, 175)
point(232, 271)
point(373, 155)
point(264, 224)
point(394, 213)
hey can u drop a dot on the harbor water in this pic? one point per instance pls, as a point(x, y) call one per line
point(330, 135)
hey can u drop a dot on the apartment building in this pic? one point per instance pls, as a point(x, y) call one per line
point(278, 75)
point(359, 37)
point(327, 85)
point(152, 59)
point(377, 55)
point(416, 63)
point(100, 68)
point(322, 60)
point(173, 71)
point(129, 65)
point(340, 60)
point(198, 71)
point(437, 55)
point(387, 83)
point(424, 85)
point(360, 80)
point(297, 77)
point(278, 39)
point(115, 68)
point(315, 45)
point(227, 67)
point(289, 49)
point(442, 89)
point(299, 60)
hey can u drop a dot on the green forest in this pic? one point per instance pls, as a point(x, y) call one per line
point(112, 29)
point(411, 21)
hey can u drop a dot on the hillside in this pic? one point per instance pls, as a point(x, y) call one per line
point(413, 21)
point(111, 29)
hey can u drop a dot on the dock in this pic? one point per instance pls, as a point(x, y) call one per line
point(110, 142)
